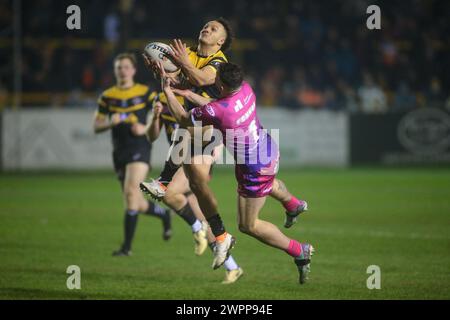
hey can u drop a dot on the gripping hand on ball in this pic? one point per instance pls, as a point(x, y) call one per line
point(179, 53)
point(165, 80)
point(153, 67)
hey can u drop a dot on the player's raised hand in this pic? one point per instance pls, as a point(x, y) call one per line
point(116, 119)
point(181, 92)
point(165, 80)
point(179, 53)
point(167, 84)
point(161, 70)
point(153, 67)
point(157, 109)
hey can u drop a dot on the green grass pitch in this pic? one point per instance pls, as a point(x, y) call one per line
point(398, 219)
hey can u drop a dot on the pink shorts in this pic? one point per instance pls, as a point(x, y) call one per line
point(256, 184)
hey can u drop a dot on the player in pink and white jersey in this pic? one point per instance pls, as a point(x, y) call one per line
point(256, 156)
point(254, 151)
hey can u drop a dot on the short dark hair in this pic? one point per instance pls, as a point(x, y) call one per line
point(231, 75)
point(229, 31)
point(127, 55)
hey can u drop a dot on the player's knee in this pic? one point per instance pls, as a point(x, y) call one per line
point(132, 196)
point(275, 186)
point(170, 198)
point(197, 185)
point(247, 228)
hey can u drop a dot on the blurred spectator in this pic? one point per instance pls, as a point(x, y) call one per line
point(347, 97)
point(111, 26)
point(373, 99)
point(270, 84)
point(435, 96)
point(300, 53)
point(289, 98)
point(88, 78)
point(389, 52)
point(330, 100)
point(310, 97)
point(404, 99)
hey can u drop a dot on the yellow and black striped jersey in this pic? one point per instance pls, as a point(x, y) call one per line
point(212, 61)
point(167, 119)
point(133, 104)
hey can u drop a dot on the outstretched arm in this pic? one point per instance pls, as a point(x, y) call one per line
point(154, 127)
point(194, 98)
point(153, 67)
point(176, 109)
point(197, 77)
point(101, 123)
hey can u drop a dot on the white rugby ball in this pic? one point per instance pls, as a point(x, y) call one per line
point(158, 51)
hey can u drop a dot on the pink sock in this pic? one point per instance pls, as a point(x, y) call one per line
point(292, 204)
point(294, 249)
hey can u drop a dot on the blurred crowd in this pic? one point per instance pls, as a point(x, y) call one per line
point(296, 54)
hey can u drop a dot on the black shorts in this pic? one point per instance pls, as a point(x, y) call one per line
point(123, 157)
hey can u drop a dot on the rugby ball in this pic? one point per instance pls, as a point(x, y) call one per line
point(158, 51)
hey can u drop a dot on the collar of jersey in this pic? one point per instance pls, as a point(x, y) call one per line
point(117, 87)
point(195, 50)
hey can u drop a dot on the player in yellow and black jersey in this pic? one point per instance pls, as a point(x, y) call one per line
point(208, 63)
point(198, 67)
point(124, 109)
point(131, 107)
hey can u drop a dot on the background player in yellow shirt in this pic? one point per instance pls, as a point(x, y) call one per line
point(124, 109)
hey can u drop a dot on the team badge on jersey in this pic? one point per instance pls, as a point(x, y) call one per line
point(210, 110)
point(137, 100)
point(215, 63)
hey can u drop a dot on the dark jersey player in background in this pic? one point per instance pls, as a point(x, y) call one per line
point(124, 108)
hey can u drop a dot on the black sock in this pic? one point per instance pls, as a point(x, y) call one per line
point(131, 217)
point(155, 210)
point(216, 224)
point(187, 214)
point(168, 172)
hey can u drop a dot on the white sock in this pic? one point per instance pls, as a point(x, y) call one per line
point(230, 264)
point(196, 226)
